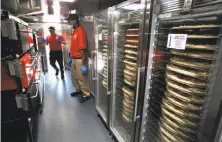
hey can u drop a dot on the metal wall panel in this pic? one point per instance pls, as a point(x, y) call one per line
point(199, 3)
point(170, 5)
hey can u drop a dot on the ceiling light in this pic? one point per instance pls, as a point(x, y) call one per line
point(67, 0)
point(133, 6)
point(72, 11)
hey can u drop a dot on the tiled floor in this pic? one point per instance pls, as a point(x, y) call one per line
point(64, 119)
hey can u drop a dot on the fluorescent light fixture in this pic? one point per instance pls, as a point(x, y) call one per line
point(18, 20)
point(100, 63)
point(51, 19)
point(72, 11)
point(133, 6)
point(115, 12)
point(32, 13)
point(67, 0)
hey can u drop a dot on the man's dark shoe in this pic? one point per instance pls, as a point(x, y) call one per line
point(84, 99)
point(74, 94)
point(62, 76)
point(57, 73)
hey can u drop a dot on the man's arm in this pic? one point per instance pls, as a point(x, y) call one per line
point(84, 56)
point(44, 41)
point(63, 40)
point(83, 47)
point(47, 41)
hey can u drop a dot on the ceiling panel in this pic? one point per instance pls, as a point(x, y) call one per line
point(88, 7)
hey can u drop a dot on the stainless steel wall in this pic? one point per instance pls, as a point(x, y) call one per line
point(209, 128)
point(89, 28)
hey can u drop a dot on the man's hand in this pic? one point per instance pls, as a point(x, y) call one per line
point(42, 40)
point(84, 69)
point(60, 40)
point(84, 63)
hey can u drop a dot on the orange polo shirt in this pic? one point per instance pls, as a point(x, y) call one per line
point(52, 40)
point(78, 42)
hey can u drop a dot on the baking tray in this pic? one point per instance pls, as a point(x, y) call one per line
point(128, 91)
point(129, 82)
point(188, 72)
point(131, 57)
point(130, 63)
point(193, 54)
point(190, 63)
point(183, 105)
point(131, 46)
point(131, 51)
point(196, 26)
point(180, 112)
point(201, 47)
point(185, 89)
point(130, 68)
point(130, 74)
point(177, 126)
point(186, 80)
point(183, 97)
point(181, 121)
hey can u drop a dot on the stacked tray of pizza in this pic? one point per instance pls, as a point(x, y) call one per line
point(186, 81)
point(130, 50)
point(128, 104)
point(104, 51)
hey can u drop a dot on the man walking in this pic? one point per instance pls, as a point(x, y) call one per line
point(55, 42)
point(78, 53)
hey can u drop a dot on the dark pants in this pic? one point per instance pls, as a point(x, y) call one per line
point(56, 56)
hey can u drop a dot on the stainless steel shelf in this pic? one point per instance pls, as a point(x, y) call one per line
point(129, 23)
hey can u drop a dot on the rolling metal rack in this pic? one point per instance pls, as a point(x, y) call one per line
point(130, 22)
point(102, 63)
point(180, 81)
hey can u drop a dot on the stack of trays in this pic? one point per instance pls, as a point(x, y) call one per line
point(128, 104)
point(130, 59)
point(104, 57)
point(131, 46)
point(186, 79)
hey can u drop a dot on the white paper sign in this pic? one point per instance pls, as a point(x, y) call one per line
point(177, 41)
point(167, 15)
point(161, 16)
point(100, 37)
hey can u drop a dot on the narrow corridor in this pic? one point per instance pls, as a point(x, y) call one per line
point(64, 119)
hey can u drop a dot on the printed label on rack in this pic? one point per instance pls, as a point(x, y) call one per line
point(177, 41)
point(161, 16)
point(167, 15)
point(100, 37)
point(121, 22)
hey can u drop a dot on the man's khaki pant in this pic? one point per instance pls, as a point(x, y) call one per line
point(79, 81)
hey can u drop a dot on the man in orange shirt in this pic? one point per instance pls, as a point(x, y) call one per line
point(78, 53)
point(55, 42)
